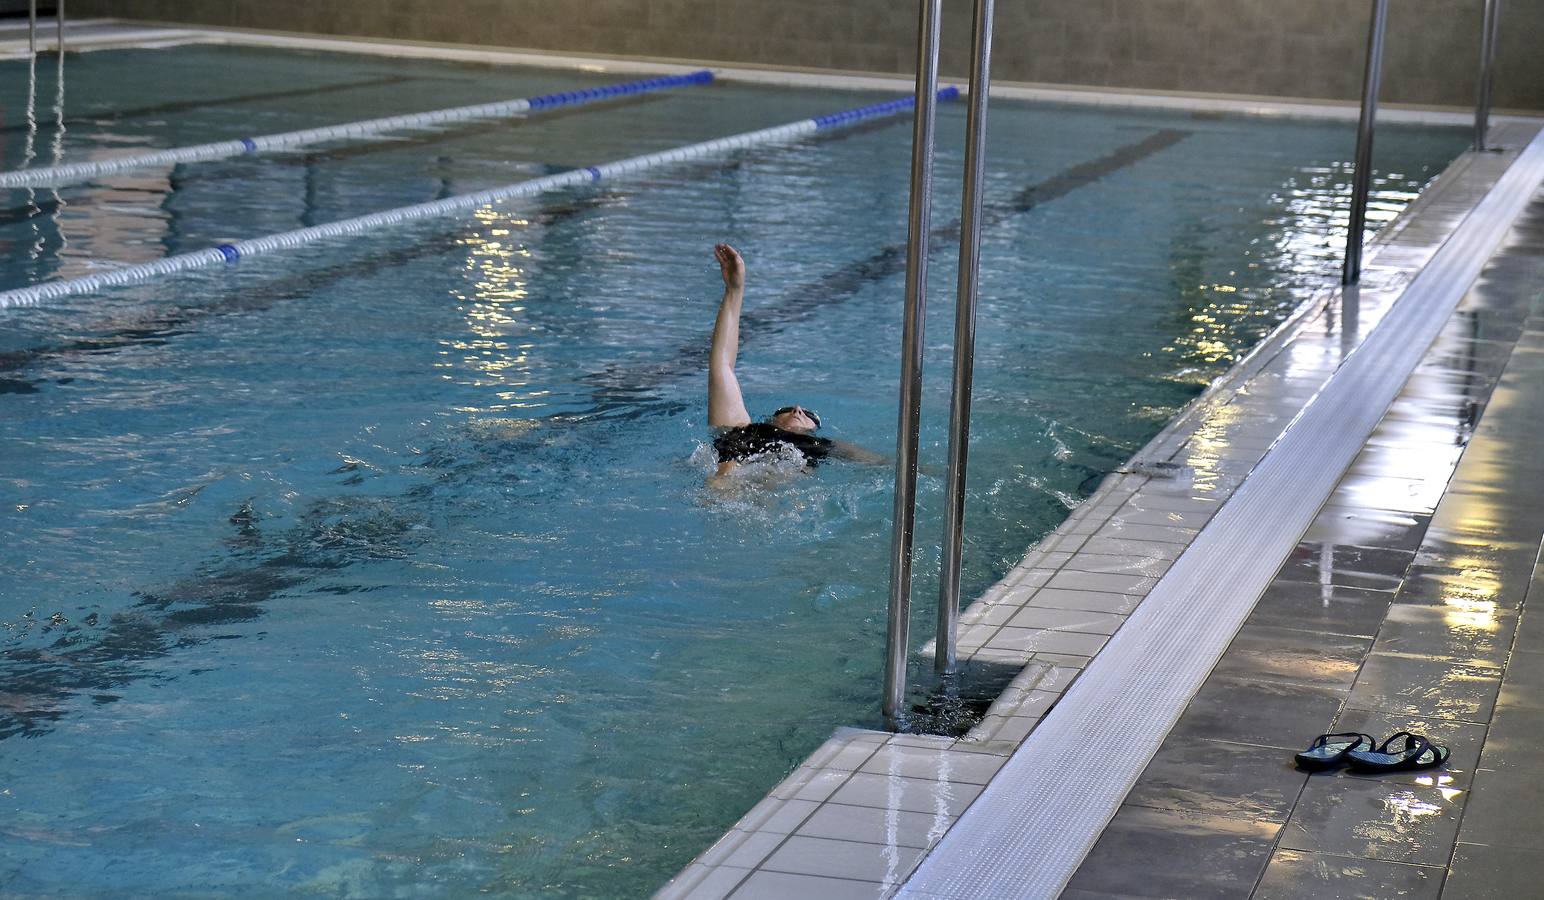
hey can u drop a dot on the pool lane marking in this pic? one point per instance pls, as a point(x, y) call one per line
point(801, 301)
point(1027, 833)
point(185, 105)
point(796, 304)
point(346, 131)
point(232, 252)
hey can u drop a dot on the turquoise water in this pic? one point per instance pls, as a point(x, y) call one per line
point(387, 568)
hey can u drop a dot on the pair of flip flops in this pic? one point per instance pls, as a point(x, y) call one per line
point(1401, 752)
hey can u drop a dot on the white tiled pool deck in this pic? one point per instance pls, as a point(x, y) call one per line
point(863, 811)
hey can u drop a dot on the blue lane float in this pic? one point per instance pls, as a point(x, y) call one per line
point(54, 176)
point(233, 252)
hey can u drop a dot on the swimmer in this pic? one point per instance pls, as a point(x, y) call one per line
point(737, 438)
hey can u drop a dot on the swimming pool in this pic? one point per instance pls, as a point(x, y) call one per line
point(387, 568)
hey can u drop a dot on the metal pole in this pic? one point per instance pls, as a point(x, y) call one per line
point(917, 231)
point(59, 18)
point(945, 657)
point(1362, 178)
point(1488, 32)
point(32, 27)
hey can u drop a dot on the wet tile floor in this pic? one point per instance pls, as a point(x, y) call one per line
point(1405, 608)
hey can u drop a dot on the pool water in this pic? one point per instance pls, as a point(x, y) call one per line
point(388, 568)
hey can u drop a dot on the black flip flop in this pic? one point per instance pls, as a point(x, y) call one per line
point(1330, 750)
point(1402, 752)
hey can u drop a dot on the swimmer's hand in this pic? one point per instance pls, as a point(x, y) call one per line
point(731, 265)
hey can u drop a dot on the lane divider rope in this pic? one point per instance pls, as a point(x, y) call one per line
point(231, 253)
point(75, 173)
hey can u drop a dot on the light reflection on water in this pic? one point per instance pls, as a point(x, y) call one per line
point(404, 569)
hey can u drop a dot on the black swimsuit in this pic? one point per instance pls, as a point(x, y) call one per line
point(757, 438)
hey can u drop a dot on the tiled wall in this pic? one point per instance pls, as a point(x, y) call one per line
point(1297, 48)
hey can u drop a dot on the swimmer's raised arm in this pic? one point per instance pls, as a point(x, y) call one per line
point(726, 407)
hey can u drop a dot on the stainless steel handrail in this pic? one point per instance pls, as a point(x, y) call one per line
point(1488, 33)
point(1361, 179)
point(945, 657)
point(59, 18)
point(32, 27)
point(909, 417)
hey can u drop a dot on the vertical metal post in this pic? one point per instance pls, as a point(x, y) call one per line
point(32, 27)
point(945, 657)
point(918, 228)
point(1488, 32)
point(1361, 179)
point(59, 18)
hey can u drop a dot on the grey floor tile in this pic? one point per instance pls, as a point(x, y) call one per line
point(1426, 687)
point(1091, 601)
point(1165, 527)
point(1507, 562)
point(1363, 567)
point(1145, 566)
point(1523, 686)
point(1267, 714)
point(1295, 875)
point(782, 885)
point(886, 864)
point(1375, 820)
point(1493, 873)
point(1506, 809)
point(1448, 586)
point(1408, 433)
point(806, 783)
point(1479, 637)
point(1164, 853)
point(1402, 494)
point(1217, 778)
point(1483, 516)
point(1314, 607)
point(1128, 519)
point(1516, 740)
point(742, 850)
point(910, 794)
point(776, 816)
point(1036, 640)
point(876, 826)
point(1106, 583)
point(1133, 547)
point(1172, 500)
point(1363, 527)
point(1078, 620)
point(702, 883)
point(934, 765)
point(1305, 657)
point(1464, 741)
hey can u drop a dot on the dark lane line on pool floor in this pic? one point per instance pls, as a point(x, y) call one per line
point(616, 386)
point(192, 174)
point(37, 684)
point(114, 115)
point(157, 324)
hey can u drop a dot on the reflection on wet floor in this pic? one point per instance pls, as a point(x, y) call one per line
point(1402, 609)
